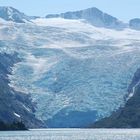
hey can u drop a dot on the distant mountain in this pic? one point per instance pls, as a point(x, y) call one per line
point(135, 23)
point(93, 16)
point(12, 14)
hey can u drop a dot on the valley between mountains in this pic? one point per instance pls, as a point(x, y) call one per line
point(67, 70)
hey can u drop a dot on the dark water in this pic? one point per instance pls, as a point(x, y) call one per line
point(73, 134)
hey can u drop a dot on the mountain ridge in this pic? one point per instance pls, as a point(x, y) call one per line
point(11, 14)
point(93, 15)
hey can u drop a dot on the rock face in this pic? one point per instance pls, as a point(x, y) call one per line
point(129, 115)
point(135, 23)
point(14, 106)
point(11, 14)
point(93, 16)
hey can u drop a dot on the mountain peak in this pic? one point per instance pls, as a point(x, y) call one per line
point(92, 15)
point(11, 14)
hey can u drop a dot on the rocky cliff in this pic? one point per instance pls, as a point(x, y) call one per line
point(14, 106)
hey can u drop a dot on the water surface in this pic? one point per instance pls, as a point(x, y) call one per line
point(72, 134)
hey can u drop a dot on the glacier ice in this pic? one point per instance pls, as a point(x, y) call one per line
point(71, 65)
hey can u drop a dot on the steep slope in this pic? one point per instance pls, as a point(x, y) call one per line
point(129, 115)
point(14, 106)
point(93, 16)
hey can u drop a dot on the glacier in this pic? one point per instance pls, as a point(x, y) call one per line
point(71, 67)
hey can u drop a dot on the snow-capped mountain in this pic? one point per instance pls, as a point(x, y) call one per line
point(135, 23)
point(12, 14)
point(70, 68)
point(93, 16)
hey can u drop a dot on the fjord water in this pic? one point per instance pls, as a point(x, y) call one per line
point(72, 134)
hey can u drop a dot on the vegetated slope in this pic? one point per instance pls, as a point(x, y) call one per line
point(12, 126)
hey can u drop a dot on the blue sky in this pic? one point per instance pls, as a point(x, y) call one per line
point(122, 9)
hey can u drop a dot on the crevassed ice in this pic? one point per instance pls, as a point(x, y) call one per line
point(76, 66)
